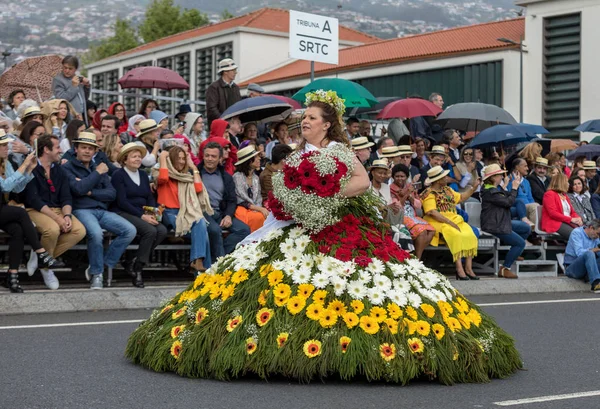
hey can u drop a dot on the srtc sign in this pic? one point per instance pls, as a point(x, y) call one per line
point(314, 37)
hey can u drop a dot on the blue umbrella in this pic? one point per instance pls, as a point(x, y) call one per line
point(258, 109)
point(531, 129)
point(589, 126)
point(505, 135)
point(589, 151)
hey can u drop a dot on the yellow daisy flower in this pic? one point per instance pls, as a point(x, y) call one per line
point(475, 317)
point(369, 325)
point(415, 345)
point(314, 310)
point(262, 298)
point(464, 320)
point(227, 292)
point(312, 348)
point(392, 325)
point(282, 291)
point(394, 311)
point(199, 280)
point(357, 306)
point(296, 304)
point(410, 325)
point(438, 330)
point(445, 307)
point(215, 292)
point(265, 269)
point(423, 328)
point(428, 310)
point(319, 296)
point(410, 311)
point(201, 314)
point(250, 346)
point(167, 308)
point(328, 318)
point(338, 306)
point(275, 277)
point(179, 313)
point(453, 324)
point(281, 302)
point(263, 316)
point(234, 323)
point(225, 276)
point(387, 351)
point(351, 319)
point(344, 342)
point(176, 330)
point(378, 314)
point(239, 276)
point(176, 348)
point(282, 339)
point(305, 290)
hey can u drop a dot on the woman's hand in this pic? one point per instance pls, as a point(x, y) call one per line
point(149, 219)
point(54, 119)
point(452, 224)
point(261, 209)
point(577, 221)
point(190, 162)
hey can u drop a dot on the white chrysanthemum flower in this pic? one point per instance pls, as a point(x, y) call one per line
point(382, 282)
point(293, 257)
point(414, 264)
point(397, 270)
point(349, 268)
point(429, 279)
point(290, 269)
point(398, 297)
point(414, 299)
point(365, 277)
point(376, 296)
point(302, 242)
point(279, 264)
point(296, 232)
point(401, 285)
point(356, 290)
point(376, 266)
point(287, 246)
point(273, 234)
point(307, 261)
point(339, 285)
point(320, 280)
point(437, 295)
point(301, 276)
point(328, 266)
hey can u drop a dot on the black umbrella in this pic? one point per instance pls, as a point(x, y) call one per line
point(474, 117)
point(258, 109)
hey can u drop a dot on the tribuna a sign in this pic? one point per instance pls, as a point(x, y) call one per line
point(314, 37)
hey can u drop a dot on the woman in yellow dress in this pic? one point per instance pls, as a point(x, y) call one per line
point(439, 207)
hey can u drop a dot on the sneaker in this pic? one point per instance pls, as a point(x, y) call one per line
point(49, 279)
point(32, 264)
point(596, 287)
point(560, 258)
point(96, 283)
point(87, 273)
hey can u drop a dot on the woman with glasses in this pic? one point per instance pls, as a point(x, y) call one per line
point(117, 109)
point(148, 105)
point(32, 131)
point(466, 172)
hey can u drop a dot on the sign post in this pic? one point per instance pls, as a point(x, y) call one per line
point(314, 38)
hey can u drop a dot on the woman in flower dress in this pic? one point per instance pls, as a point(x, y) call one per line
point(322, 289)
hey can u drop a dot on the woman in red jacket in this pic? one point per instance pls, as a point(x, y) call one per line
point(558, 215)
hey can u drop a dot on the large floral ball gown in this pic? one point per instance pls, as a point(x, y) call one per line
point(323, 290)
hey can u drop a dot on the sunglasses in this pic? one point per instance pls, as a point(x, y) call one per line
point(468, 154)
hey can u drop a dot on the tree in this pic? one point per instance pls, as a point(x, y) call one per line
point(124, 39)
point(226, 15)
point(163, 19)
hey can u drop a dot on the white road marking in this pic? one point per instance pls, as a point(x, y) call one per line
point(547, 398)
point(71, 324)
point(496, 304)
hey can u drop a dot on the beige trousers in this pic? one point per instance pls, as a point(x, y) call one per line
point(53, 240)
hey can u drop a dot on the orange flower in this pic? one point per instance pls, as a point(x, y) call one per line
point(201, 314)
point(415, 345)
point(176, 330)
point(233, 323)
point(179, 313)
point(387, 351)
point(263, 316)
point(282, 339)
point(344, 342)
point(176, 349)
point(312, 348)
point(250, 346)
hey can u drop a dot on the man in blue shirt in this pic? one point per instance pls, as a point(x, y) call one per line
point(581, 256)
point(92, 194)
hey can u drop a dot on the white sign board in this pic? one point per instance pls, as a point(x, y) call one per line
point(314, 37)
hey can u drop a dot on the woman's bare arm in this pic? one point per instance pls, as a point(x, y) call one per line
point(359, 181)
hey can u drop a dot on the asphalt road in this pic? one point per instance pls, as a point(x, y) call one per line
point(83, 366)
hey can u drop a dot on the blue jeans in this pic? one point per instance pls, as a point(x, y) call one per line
point(237, 232)
point(200, 245)
point(586, 264)
point(518, 210)
point(94, 221)
point(516, 241)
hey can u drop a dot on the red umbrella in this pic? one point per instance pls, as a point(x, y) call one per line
point(153, 77)
point(409, 108)
point(295, 104)
point(33, 75)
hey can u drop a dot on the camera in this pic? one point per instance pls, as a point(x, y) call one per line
point(182, 123)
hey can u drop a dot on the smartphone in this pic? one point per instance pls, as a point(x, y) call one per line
point(181, 123)
point(35, 148)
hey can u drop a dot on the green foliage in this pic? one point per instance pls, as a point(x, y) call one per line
point(226, 15)
point(163, 19)
point(124, 39)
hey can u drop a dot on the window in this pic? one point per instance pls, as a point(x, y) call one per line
point(106, 81)
point(206, 66)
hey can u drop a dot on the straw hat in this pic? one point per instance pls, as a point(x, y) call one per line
point(87, 138)
point(436, 173)
point(589, 165)
point(132, 146)
point(541, 162)
point(246, 154)
point(146, 126)
point(226, 64)
point(405, 150)
point(293, 146)
point(438, 150)
point(493, 169)
point(390, 152)
point(31, 111)
point(4, 139)
point(361, 143)
point(380, 164)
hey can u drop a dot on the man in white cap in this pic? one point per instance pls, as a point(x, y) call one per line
point(222, 93)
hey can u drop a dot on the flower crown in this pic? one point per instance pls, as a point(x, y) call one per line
point(328, 97)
